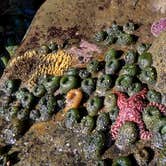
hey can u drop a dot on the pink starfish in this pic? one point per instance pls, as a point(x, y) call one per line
point(161, 107)
point(130, 110)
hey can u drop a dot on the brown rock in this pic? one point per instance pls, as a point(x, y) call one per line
point(61, 19)
point(158, 50)
point(64, 19)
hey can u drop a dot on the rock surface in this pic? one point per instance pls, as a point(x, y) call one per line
point(158, 50)
point(62, 19)
point(49, 143)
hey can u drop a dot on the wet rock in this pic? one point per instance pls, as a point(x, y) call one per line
point(48, 143)
point(158, 51)
point(93, 16)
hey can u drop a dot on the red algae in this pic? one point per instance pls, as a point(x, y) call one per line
point(158, 27)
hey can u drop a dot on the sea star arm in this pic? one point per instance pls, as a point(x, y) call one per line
point(115, 127)
point(144, 135)
point(161, 107)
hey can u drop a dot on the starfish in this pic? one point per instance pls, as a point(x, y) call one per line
point(161, 107)
point(130, 110)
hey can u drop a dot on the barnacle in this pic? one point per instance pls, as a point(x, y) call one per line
point(40, 64)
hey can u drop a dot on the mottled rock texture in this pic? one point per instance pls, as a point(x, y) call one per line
point(158, 50)
point(61, 19)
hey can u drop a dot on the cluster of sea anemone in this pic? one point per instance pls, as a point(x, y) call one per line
point(110, 102)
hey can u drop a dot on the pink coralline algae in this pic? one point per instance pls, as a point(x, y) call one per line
point(89, 47)
point(131, 111)
point(158, 27)
point(85, 50)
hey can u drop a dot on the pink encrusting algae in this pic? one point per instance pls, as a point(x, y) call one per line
point(158, 27)
point(85, 50)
